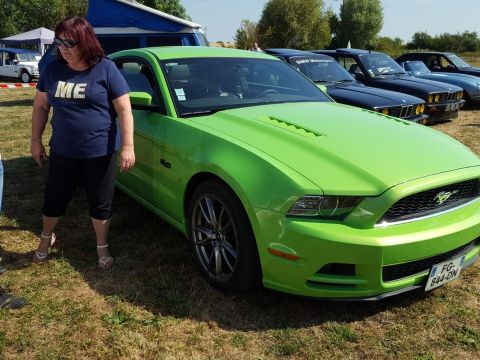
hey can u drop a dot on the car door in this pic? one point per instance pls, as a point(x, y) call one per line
point(141, 176)
point(159, 164)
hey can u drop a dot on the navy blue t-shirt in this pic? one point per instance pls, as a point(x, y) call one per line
point(84, 120)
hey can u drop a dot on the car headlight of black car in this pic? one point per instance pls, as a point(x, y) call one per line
point(419, 109)
point(434, 98)
point(332, 207)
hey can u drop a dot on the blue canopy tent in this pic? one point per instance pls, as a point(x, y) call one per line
point(40, 37)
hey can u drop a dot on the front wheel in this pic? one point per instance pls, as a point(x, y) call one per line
point(222, 238)
point(25, 77)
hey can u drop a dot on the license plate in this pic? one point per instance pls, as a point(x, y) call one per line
point(444, 272)
point(451, 107)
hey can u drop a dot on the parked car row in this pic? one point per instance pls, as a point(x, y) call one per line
point(441, 95)
point(275, 183)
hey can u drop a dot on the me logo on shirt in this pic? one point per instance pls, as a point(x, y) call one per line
point(69, 90)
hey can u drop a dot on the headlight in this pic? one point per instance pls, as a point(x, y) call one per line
point(460, 95)
point(418, 109)
point(430, 98)
point(324, 206)
point(437, 98)
point(423, 108)
point(385, 111)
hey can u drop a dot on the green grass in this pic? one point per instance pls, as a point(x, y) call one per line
point(154, 304)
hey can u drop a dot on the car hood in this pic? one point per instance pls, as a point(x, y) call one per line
point(341, 149)
point(471, 71)
point(369, 96)
point(451, 78)
point(405, 83)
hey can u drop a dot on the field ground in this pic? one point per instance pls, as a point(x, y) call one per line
point(154, 304)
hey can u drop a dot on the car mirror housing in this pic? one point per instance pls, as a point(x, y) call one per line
point(140, 98)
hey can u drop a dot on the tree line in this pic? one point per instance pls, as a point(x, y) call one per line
point(300, 24)
point(307, 24)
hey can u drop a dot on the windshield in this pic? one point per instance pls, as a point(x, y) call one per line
point(457, 61)
point(26, 57)
point(417, 67)
point(206, 85)
point(380, 64)
point(321, 69)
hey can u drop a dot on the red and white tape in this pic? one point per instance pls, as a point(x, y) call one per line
point(16, 85)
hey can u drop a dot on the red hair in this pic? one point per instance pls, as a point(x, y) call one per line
point(79, 29)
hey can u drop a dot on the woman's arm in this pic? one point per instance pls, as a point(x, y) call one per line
point(41, 107)
point(125, 119)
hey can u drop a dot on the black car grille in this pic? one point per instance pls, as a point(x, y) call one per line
point(395, 272)
point(432, 201)
point(402, 111)
point(449, 96)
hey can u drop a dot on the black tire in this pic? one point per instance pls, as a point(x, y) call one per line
point(25, 77)
point(223, 239)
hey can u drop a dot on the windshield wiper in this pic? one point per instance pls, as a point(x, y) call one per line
point(323, 81)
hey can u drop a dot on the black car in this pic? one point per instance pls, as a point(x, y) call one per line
point(381, 71)
point(343, 88)
point(441, 62)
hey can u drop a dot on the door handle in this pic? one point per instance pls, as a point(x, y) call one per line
point(165, 163)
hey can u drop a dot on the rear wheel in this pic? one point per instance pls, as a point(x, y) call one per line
point(222, 238)
point(25, 77)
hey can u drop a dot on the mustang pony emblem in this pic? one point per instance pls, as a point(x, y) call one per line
point(443, 196)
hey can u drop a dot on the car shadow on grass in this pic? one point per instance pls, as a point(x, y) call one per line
point(155, 266)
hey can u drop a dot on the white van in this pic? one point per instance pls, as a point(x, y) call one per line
point(19, 63)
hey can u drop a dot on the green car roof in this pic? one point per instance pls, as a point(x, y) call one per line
point(175, 52)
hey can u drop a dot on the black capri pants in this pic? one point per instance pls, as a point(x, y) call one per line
point(64, 174)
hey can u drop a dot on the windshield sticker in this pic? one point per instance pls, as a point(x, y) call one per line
point(304, 61)
point(180, 94)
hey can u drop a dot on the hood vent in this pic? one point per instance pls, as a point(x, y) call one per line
point(297, 129)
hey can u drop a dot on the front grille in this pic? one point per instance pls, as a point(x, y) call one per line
point(432, 201)
point(395, 272)
point(402, 111)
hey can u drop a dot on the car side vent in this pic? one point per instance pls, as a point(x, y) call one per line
point(300, 130)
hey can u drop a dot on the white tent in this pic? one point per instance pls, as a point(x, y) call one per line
point(40, 37)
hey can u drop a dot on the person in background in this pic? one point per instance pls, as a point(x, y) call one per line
point(7, 300)
point(256, 48)
point(87, 93)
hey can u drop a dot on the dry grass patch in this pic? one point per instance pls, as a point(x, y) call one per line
point(154, 305)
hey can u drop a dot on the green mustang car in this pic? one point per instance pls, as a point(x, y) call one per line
point(275, 183)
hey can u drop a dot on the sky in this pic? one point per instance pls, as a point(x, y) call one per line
point(401, 18)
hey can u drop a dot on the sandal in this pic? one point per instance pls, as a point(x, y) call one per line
point(105, 262)
point(40, 256)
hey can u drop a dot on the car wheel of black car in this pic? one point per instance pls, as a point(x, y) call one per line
point(25, 77)
point(222, 238)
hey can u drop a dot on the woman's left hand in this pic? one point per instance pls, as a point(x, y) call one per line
point(127, 158)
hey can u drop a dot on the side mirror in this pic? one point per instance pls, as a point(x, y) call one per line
point(15, 61)
point(140, 98)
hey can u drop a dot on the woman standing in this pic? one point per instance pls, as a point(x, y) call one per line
point(87, 93)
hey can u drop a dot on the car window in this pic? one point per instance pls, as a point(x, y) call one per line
point(164, 41)
point(445, 63)
point(433, 62)
point(458, 61)
point(346, 62)
point(378, 64)
point(205, 85)
point(139, 77)
point(320, 69)
point(110, 44)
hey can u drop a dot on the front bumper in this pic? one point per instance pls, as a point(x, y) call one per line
point(443, 111)
point(419, 119)
point(369, 252)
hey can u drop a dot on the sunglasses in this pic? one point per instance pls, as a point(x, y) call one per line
point(67, 43)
